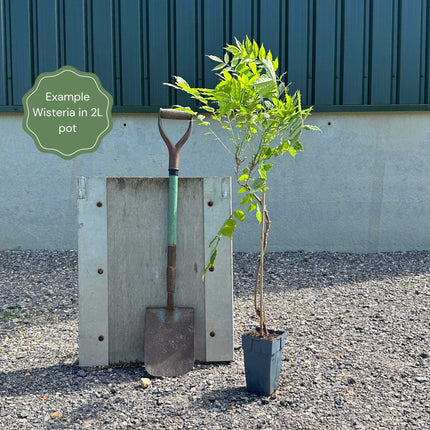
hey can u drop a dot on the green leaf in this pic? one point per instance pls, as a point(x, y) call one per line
point(185, 109)
point(262, 172)
point(262, 53)
point(266, 86)
point(258, 214)
point(268, 152)
point(243, 178)
point(239, 215)
point(218, 67)
point(213, 257)
point(255, 48)
point(267, 167)
point(311, 127)
point(208, 109)
point(296, 128)
point(180, 80)
point(270, 70)
point(248, 44)
point(248, 198)
point(252, 207)
point(297, 146)
point(242, 190)
point(228, 228)
point(215, 58)
point(281, 88)
point(227, 76)
point(257, 184)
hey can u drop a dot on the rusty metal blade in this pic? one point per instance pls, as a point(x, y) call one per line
point(169, 341)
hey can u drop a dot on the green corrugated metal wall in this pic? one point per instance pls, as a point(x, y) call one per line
point(342, 54)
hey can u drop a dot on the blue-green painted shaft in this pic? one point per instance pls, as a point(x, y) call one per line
point(173, 209)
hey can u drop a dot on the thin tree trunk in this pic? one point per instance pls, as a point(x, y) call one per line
point(263, 328)
point(258, 287)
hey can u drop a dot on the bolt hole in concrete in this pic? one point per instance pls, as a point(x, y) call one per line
point(99, 204)
point(329, 123)
point(101, 338)
point(100, 271)
point(125, 125)
point(212, 334)
point(211, 269)
point(210, 203)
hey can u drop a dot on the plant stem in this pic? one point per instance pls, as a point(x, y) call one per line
point(263, 329)
point(211, 131)
point(258, 277)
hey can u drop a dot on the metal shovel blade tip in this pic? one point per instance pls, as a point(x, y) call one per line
point(169, 341)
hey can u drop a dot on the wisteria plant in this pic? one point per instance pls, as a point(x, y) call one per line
point(261, 121)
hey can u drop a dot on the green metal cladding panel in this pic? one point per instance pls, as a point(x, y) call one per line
point(341, 54)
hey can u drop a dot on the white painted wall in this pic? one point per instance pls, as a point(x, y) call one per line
point(361, 185)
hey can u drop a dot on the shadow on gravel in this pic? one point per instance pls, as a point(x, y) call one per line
point(229, 398)
point(90, 414)
point(65, 378)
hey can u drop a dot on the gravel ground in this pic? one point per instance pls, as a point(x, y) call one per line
point(356, 357)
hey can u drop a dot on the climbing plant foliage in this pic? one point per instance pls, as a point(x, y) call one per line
point(260, 120)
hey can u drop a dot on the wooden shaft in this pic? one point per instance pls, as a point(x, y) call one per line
point(171, 276)
point(173, 195)
point(174, 114)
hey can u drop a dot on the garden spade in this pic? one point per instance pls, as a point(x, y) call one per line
point(169, 331)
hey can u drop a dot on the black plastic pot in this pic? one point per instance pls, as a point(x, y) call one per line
point(263, 358)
